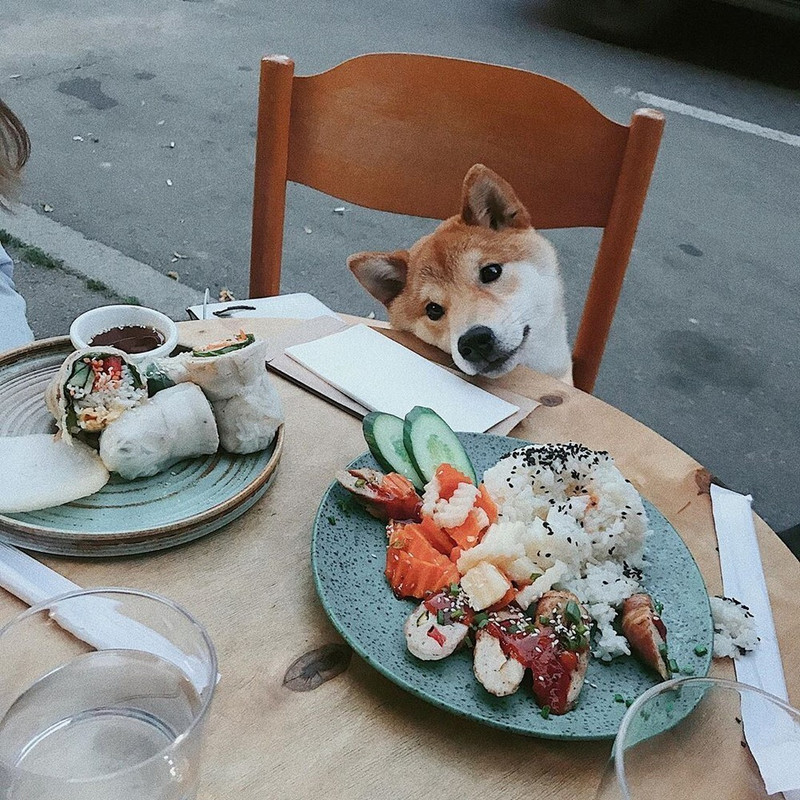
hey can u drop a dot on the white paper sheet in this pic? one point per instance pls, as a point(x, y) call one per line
point(383, 375)
point(773, 740)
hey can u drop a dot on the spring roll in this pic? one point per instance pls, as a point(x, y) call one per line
point(93, 388)
point(248, 421)
point(233, 376)
point(221, 369)
point(177, 423)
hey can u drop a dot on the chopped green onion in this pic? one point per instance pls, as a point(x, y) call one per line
point(687, 670)
point(544, 620)
point(700, 650)
point(440, 617)
point(360, 482)
point(628, 703)
point(331, 520)
point(457, 614)
point(662, 650)
point(659, 607)
point(454, 589)
point(545, 712)
point(673, 665)
point(618, 698)
point(481, 620)
point(572, 612)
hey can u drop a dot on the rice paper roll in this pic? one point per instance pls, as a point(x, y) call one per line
point(177, 423)
point(248, 421)
point(221, 369)
point(94, 387)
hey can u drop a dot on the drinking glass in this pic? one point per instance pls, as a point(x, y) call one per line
point(684, 738)
point(103, 696)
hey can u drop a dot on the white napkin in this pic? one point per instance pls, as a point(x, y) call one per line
point(93, 619)
point(774, 740)
point(383, 375)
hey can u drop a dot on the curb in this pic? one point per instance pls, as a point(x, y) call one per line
point(87, 258)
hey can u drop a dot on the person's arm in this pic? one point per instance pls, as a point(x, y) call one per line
point(14, 328)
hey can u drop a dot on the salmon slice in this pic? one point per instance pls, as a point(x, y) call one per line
point(449, 478)
point(414, 568)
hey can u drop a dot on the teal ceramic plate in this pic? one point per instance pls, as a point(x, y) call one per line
point(348, 556)
point(192, 498)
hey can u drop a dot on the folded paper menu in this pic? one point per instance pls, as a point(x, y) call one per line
point(382, 375)
point(774, 740)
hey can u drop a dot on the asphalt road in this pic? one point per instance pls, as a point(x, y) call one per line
point(142, 116)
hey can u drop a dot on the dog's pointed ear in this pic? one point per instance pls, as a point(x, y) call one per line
point(383, 275)
point(489, 201)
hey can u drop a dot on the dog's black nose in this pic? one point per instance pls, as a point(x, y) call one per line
point(477, 343)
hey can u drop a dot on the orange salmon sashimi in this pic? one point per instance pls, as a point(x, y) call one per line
point(448, 478)
point(414, 568)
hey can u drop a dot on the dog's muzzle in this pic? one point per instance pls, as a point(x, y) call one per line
point(481, 349)
point(477, 345)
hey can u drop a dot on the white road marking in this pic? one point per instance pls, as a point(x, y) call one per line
point(710, 116)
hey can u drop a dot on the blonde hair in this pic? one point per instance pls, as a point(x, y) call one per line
point(15, 147)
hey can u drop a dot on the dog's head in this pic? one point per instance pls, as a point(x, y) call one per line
point(481, 286)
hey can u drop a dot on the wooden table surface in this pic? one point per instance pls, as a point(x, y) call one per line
point(358, 736)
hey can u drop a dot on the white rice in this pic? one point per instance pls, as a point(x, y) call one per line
point(581, 523)
point(734, 628)
point(108, 400)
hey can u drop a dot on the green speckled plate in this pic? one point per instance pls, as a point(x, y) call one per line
point(348, 556)
point(192, 498)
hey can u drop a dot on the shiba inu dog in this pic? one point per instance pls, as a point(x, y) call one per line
point(484, 286)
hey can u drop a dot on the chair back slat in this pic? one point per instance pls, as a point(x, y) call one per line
point(398, 132)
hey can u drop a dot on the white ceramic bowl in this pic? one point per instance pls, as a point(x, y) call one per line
point(101, 319)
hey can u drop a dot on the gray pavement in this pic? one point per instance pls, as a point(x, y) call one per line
point(704, 343)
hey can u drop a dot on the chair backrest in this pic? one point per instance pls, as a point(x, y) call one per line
point(397, 132)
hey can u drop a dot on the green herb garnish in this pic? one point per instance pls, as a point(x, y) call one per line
point(700, 650)
point(332, 520)
point(440, 617)
point(572, 612)
point(545, 712)
point(618, 698)
point(481, 620)
point(673, 665)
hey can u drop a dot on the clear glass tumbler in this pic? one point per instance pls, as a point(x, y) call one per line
point(685, 738)
point(103, 696)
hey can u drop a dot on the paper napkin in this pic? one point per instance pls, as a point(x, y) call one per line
point(774, 740)
point(382, 375)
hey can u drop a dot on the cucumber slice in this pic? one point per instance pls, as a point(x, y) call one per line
point(384, 436)
point(430, 441)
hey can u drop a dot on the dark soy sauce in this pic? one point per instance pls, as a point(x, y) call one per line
point(129, 338)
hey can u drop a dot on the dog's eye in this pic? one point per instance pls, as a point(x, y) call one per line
point(434, 311)
point(491, 272)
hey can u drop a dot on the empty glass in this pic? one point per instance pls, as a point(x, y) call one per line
point(103, 696)
point(684, 738)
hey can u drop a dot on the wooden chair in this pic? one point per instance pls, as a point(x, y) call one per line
point(397, 132)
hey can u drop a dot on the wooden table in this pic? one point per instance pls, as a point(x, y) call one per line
point(358, 736)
